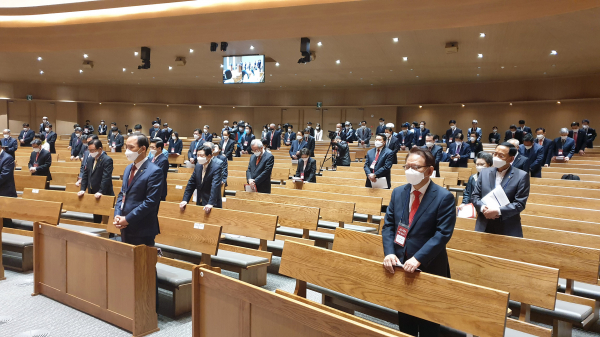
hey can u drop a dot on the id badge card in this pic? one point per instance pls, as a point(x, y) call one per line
point(560, 152)
point(173, 150)
point(450, 140)
point(420, 137)
point(472, 155)
point(401, 234)
point(245, 143)
point(373, 164)
point(302, 175)
point(114, 144)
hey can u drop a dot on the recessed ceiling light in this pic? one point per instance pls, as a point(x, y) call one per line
point(478, 67)
point(338, 61)
point(420, 106)
point(191, 50)
point(251, 47)
point(234, 107)
point(136, 53)
point(557, 102)
point(167, 105)
point(319, 44)
point(80, 71)
point(391, 70)
point(39, 58)
point(477, 74)
point(132, 72)
point(41, 72)
point(405, 58)
point(544, 73)
point(277, 64)
point(417, 76)
point(100, 103)
point(480, 56)
point(463, 105)
point(411, 70)
point(553, 52)
point(170, 67)
point(509, 103)
point(502, 67)
point(395, 39)
point(124, 69)
point(481, 34)
point(199, 106)
point(85, 56)
point(134, 103)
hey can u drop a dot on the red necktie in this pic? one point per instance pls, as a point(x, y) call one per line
point(131, 175)
point(541, 142)
point(258, 160)
point(271, 143)
point(37, 156)
point(415, 207)
point(575, 137)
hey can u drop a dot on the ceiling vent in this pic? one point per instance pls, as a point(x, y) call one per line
point(451, 47)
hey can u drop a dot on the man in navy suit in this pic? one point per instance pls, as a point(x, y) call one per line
point(9, 144)
point(26, 135)
point(505, 220)
point(206, 181)
point(206, 136)
point(391, 142)
point(545, 143)
point(289, 136)
point(165, 133)
point(97, 175)
point(161, 160)
point(298, 144)
point(218, 155)
point(155, 130)
point(520, 162)
point(40, 160)
point(7, 178)
point(274, 137)
point(419, 222)
point(405, 138)
point(459, 152)
point(227, 145)
point(477, 130)
point(436, 150)
point(534, 154)
point(420, 135)
point(43, 124)
point(562, 146)
point(136, 210)
point(452, 132)
point(102, 128)
point(194, 146)
point(50, 137)
point(77, 144)
point(524, 129)
point(378, 163)
point(591, 133)
point(579, 137)
point(381, 128)
point(513, 133)
point(260, 167)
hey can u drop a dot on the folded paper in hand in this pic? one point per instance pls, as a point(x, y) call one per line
point(380, 183)
point(496, 198)
point(249, 188)
point(297, 179)
point(467, 211)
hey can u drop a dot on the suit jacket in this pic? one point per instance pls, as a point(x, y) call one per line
point(393, 145)
point(297, 146)
point(525, 130)
point(10, 145)
point(223, 159)
point(206, 137)
point(43, 162)
point(405, 139)
point(84, 161)
point(276, 141)
point(310, 171)
point(312, 131)
point(478, 133)
point(494, 138)
point(99, 178)
point(89, 127)
point(468, 192)
point(7, 175)
point(73, 137)
point(465, 153)
point(261, 173)
point(581, 140)
point(227, 150)
point(522, 163)
point(175, 146)
point(27, 136)
point(516, 187)
point(119, 142)
point(311, 145)
point(419, 136)
point(208, 187)
point(165, 135)
point(383, 166)
point(568, 148)
point(518, 136)
point(76, 147)
point(193, 148)
point(343, 154)
point(475, 148)
point(289, 137)
point(380, 129)
point(451, 135)
point(102, 129)
point(42, 127)
point(363, 135)
point(535, 158)
point(142, 198)
point(154, 133)
point(429, 232)
point(546, 146)
point(247, 140)
point(348, 135)
point(162, 161)
point(591, 136)
point(437, 152)
point(51, 140)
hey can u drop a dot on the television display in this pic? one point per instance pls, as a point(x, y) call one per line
point(244, 69)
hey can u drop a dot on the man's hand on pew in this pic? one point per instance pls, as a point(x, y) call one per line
point(581, 152)
point(208, 208)
point(389, 262)
point(78, 183)
point(80, 193)
point(32, 169)
point(490, 213)
point(120, 222)
point(98, 195)
point(182, 205)
point(411, 265)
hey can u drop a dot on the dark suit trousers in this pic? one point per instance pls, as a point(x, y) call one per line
point(141, 240)
point(97, 218)
point(415, 326)
point(496, 226)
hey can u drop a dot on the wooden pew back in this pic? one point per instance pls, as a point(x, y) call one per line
point(30, 210)
point(570, 191)
point(28, 181)
point(302, 217)
point(62, 178)
point(190, 235)
point(385, 194)
point(563, 212)
point(364, 204)
point(565, 183)
point(71, 202)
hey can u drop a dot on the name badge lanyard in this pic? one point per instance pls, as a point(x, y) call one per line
point(128, 186)
point(402, 231)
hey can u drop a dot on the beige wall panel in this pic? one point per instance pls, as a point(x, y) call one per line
point(18, 113)
point(44, 109)
point(3, 114)
point(331, 116)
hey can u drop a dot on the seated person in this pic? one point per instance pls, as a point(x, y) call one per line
point(307, 167)
point(494, 136)
point(483, 160)
point(475, 145)
point(175, 144)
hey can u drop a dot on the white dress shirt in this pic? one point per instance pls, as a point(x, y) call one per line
point(500, 176)
point(138, 165)
point(423, 189)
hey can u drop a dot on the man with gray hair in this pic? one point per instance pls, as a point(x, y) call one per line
point(9, 144)
point(520, 162)
point(562, 148)
point(260, 167)
point(274, 137)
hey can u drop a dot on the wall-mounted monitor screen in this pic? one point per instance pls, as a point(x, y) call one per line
point(244, 69)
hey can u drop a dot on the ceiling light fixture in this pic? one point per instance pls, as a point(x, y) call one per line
point(41, 72)
point(557, 102)
point(509, 103)
point(199, 106)
point(553, 52)
point(502, 67)
point(277, 64)
point(405, 58)
point(39, 58)
point(221, 66)
point(80, 71)
point(395, 39)
point(463, 105)
point(480, 56)
point(124, 69)
point(319, 44)
point(85, 56)
point(191, 50)
point(338, 61)
point(420, 107)
point(481, 34)
point(170, 67)
point(100, 103)
point(251, 47)
point(167, 105)
point(135, 53)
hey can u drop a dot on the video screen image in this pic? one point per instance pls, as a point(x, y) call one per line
point(244, 69)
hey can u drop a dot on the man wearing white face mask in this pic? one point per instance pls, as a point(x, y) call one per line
point(419, 222)
point(26, 135)
point(227, 145)
point(436, 150)
point(475, 129)
point(534, 154)
point(544, 142)
point(363, 135)
point(159, 157)
point(459, 152)
point(9, 144)
point(378, 163)
point(591, 133)
point(483, 161)
point(97, 175)
point(520, 162)
point(260, 168)
point(505, 220)
point(380, 127)
point(420, 133)
point(40, 160)
point(494, 136)
point(298, 144)
point(562, 148)
point(579, 137)
point(50, 137)
point(206, 181)
point(452, 132)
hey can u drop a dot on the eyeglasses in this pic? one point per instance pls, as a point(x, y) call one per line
point(414, 167)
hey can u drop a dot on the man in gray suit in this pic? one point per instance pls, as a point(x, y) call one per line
point(363, 135)
point(505, 220)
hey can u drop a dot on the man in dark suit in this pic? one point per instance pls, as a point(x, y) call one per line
point(348, 134)
point(165, 133)
point(494, 137)
point(88, 128)
point(206, 136)
point(452, 132)
point(260, 167)
point(9, 144)
point(459, 152)
point(194, 146)
point(161, 160)
point(378, 163)
point(342, 152)
point(73, 136)
point(26, 135)
point(43, 124)
point(274, 137)
point(420, 135)
point(40, 161)
point(436, 150)
point(136, 209)
point(97, 175)
point(7, 178)
point(534, 154)
point(475, 144)
point(155, 130)
point(297, 144)
point(227, 145)
point(477, 130)
point(579, 137)
point(545, 143)
point(505, 220)
point(102, 128)
point(310, 142)
point(513, 133)
point(405, 138)
point(524, 129)
point(363, 135)
point(391, 142)
point(520, 162)
point(289, 136)
point(381, 127)
point(116, 141)
point(562, 147)
point(206, 181)
point(50, 137)
point(307, 167)
point(419, 222)
point(77, 144)
point(591, 133)
point(218, 155)
point(311, 129)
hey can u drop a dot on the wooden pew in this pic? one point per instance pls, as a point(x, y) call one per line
point(478, 310)
point(562, 212)
point(558, 175)
point(177, 160)
point(223, 306)
point(385, 194)
point(29, 181)
point(109, 280)
point(116, 187)
point(575, 165)
point(565, 183)
point(570, 191)
point(62, 178)
point(564, 200)
point(361, 182)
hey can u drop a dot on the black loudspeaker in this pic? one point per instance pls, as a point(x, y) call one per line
point(224, 46)
point(213, 46)
point(305, 46)
point(145, 56)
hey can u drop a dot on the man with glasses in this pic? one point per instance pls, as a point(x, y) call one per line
point(419, 222)
point(505, 220)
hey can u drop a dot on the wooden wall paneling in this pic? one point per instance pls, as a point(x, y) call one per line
point(313, 115)
point(18, 113)
point(354, 116)
point(66, 116)
point(3, 114)
point(293, 116)
point(44, 109)
point(331, 116)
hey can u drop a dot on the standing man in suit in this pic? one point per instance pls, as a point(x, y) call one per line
point(289, 136)
point(162, 161)
point(102, 128)
point(341, 152)
point(297, 144)
point(225, 127)
point(166, 133)
point(73, 136)
point(579, 137)
point(475, 145)
point(505, 220)
point(227, 145)
point(260, 167)
point(194, 146)
point(218, 155)
point(591, 133)
point(494, 136)
point(452, 132)
point(116, 141)
point(405, 139)
point(363, 135)
point(380, 127)
point(420, 135)
point(88, 128)
point(534, 154)
point(40, 161)
point(307, 167)
point(77, 144)
point(459, 152)
point(7, 179)
point(43, 124)
point(97, 176)
point(562, 146)
point(436, 150)
point(348, 134)
point(274, 137)
point(419, 222)
point(391, 142)
point(26, 135)
point(155, 130)
point(524, 129)
point(310, 129)
point(545, 143)
point(475, 129)
point(520, 162)
point(513, 133)
point(50, 137)
point(310, 142)
point(378, 163)
point(9, 144)
point(206, 181)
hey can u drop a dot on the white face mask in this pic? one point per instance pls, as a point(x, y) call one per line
point(202, 160)
point(453, 127)
point(25, 129)
point(299, 137)
point(540, 136)
point(205, 130)
point(381, 123)
point(337, 129)
point(498, 163)
point(225, 137)
point(101, 123)
point(479, 168)
point(422, 126)
point(46, 129)
point(241, 129)
point(174, 137)
point(414, 177)
point(563, 137)
point(94, 155)
point(495, 130)
point(257, 153)
point(131, 156)
point(472, 139)
point(586, 126)
point(528, 147)
point(363, 127)
point(78, 135)
point(36, 149)
point(196, 136)
point(247, 131)
point(6, 136)
point(458, 143)
point(388, 135)
point(429, 144)
point(153, 152)
point(575, 130)
point(378, 144)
